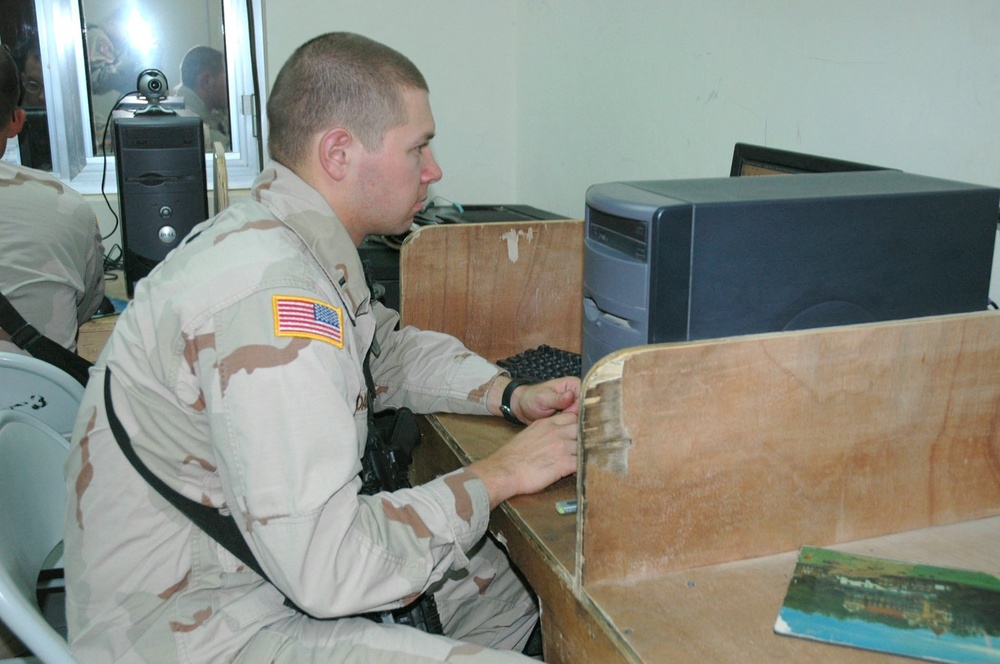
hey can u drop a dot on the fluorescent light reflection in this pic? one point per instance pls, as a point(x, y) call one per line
point(140, 34)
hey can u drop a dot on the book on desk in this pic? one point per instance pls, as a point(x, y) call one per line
point(936, 613)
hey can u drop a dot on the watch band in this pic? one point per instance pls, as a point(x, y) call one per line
point(508, 391)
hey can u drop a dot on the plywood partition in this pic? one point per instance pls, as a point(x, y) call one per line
point(700, 453)
point(499, 287)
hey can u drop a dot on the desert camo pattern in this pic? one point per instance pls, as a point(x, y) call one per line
point(265, 417)
point(51, 258)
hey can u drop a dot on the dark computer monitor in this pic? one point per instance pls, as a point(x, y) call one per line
point(479, 213)
point(760, 160)
point(382, 253)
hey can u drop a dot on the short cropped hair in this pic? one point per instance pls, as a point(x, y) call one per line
point(10, 88)
point(198, 60)
point(25, 48)
point(338, 79)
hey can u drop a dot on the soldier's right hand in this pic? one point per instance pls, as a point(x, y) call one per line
point(537, 456)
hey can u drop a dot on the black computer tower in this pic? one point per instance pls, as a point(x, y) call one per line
point(691, 259)
point(162, 188)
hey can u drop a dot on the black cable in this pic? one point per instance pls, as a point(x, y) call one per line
point(104, 154)
point(256, 85)
point(113, 261)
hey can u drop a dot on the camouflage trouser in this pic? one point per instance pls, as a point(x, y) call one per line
point(486, 611)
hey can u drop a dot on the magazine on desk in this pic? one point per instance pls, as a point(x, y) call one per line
point(932, 613)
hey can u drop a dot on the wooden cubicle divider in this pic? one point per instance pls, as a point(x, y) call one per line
point(504, 288)
point(705, 465)
point(706, 452)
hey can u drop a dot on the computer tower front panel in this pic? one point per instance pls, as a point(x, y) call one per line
point(161, 187)
point(616, 272)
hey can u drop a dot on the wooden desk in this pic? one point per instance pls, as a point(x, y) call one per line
point(714, 613)
point(95, 332)
point(540, 541)
point(705, 466)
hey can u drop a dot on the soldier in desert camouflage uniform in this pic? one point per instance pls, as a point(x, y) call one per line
point(51, 258)
point(203, 88)
point(237, 373)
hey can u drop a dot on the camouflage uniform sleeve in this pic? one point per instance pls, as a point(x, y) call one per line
point(93, 276)
point(428, 371)
point(287, 422)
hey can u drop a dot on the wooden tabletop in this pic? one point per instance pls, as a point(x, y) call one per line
point(714, 613)
point(95, 332)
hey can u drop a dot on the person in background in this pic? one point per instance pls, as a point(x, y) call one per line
point(51, 256)
point(205, 92)
point(238, 376)
point(33, 139)
point(28, 57)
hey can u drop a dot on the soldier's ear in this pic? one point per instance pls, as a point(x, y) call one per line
point(17, 122)
point(334, 152)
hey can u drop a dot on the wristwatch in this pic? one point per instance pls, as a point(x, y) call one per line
point(505, 410)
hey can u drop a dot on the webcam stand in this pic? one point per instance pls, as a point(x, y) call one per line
point(155, 109)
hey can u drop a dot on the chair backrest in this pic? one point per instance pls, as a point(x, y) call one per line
point(32, 505)
point(220, 182)
point(40, 389)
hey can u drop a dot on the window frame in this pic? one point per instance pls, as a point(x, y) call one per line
point(61, 39)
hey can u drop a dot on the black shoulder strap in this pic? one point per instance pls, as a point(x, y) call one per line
point(222, 528)
point(27, 338)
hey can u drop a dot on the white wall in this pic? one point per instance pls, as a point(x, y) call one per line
point(535, 100)
point(652, 89)
point(466, 51)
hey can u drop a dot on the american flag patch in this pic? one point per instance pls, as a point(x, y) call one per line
point(302, 317)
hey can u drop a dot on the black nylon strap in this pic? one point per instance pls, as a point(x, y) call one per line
point(29, 339)
point(10, 319)
point(223, 529)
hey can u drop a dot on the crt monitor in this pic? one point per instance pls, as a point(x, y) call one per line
point(679, 260)
point(761, 160)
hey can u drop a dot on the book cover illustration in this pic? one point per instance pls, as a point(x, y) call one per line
point(933, 613)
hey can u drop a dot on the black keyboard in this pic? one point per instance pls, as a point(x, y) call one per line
point(542, 363)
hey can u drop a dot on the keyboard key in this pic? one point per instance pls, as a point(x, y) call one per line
point(542, 363)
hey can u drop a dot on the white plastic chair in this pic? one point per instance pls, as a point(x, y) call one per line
point(39, 389)
point(32, 504)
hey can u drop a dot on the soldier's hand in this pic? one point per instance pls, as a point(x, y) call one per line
point(542, 453)
point(534, 402)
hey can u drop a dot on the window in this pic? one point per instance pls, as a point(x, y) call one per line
point(93, 50)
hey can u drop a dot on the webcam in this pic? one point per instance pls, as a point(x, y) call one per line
point(152, 86)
